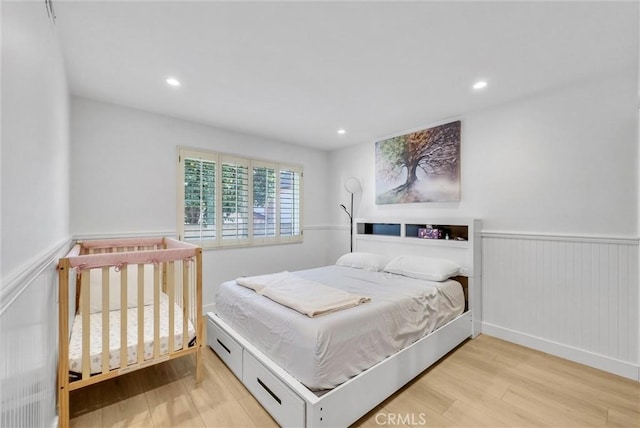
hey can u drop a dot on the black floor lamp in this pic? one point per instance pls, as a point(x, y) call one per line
point(351, 185)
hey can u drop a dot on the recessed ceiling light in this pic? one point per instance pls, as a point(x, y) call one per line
point(342, 131)
point(481, 84)
point(172, 81)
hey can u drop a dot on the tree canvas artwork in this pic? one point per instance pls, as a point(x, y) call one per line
point(422, 166)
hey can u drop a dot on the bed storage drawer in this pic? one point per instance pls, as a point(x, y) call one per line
point(227, 349)
point(282, 403)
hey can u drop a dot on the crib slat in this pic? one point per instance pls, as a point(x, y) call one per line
point(185, 303)
point(105, 319)
point(164, 278)
point(86, 326)
point(156, 311)
point(140, 313)
point(198, 305)
point(171, 291)
point(63, 343)
point(123, 318)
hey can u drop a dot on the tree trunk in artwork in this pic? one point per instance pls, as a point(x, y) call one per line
point(411, 180)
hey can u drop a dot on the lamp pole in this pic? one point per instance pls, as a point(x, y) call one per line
point(350, 222)
point(351, 185)
point(351, 227)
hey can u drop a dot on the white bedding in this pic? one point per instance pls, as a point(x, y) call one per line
point(75, 343)
point(325, 351)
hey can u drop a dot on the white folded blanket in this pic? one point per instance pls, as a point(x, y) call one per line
point(258, 283)
point(307, 297)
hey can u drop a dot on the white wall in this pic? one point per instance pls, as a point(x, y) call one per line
point(123, 180)
point(35, 141)
point(558, 166)
point(563, 161)
point(34, 212)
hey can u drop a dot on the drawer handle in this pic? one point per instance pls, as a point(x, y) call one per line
point(275, 397)
point(222, 344)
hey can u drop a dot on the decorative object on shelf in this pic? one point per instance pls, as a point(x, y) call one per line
point(430, 232)
point(422, 166)
point(351, 185)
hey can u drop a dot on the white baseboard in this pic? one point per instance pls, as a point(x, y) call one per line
point(211, 307)
point(601, 362)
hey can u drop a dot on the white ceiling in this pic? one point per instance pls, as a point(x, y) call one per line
point(298, 71)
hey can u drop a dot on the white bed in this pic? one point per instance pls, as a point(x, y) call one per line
point(294, 400)
point(75, 343)
point(324, 351)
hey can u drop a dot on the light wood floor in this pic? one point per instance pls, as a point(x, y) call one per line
point(485, 382)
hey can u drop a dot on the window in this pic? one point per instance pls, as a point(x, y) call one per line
point(289, 202)
point(199, 197)
point(235, 201)
point(264, 201)
point(226, 201)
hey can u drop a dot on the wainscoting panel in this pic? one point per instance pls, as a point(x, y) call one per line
point(29, 343)
point(569, 295)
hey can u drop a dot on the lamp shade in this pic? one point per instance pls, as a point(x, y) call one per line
point(352, 185)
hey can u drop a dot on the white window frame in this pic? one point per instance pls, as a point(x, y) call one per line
point(219, 159)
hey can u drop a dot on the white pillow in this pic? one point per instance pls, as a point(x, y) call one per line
point(429, 268)
point(367, 261)
point(95, 297)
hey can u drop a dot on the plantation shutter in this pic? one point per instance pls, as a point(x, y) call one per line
point(225, 200)
point(235, 200)
point(199, 208)
point(289, 191)
point(264, 201)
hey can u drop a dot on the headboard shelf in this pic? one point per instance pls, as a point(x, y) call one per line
point(447, 231)
point(456, 238)
point(453, 229)
point(385, 229)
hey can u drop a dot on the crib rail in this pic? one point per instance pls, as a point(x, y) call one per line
point(163, 267)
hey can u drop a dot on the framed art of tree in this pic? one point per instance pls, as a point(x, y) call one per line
point(422, 166)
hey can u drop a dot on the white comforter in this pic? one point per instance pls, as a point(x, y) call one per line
point(325, 351)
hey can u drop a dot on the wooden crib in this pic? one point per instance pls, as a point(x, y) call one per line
point(142, 292)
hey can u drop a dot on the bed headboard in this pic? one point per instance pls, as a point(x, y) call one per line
point(456, 239)
point(459, 239)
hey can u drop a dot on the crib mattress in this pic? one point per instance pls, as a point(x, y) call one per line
point(95, 336)
point(325, 351)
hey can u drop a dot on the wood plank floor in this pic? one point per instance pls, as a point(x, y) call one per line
point(485, 382)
